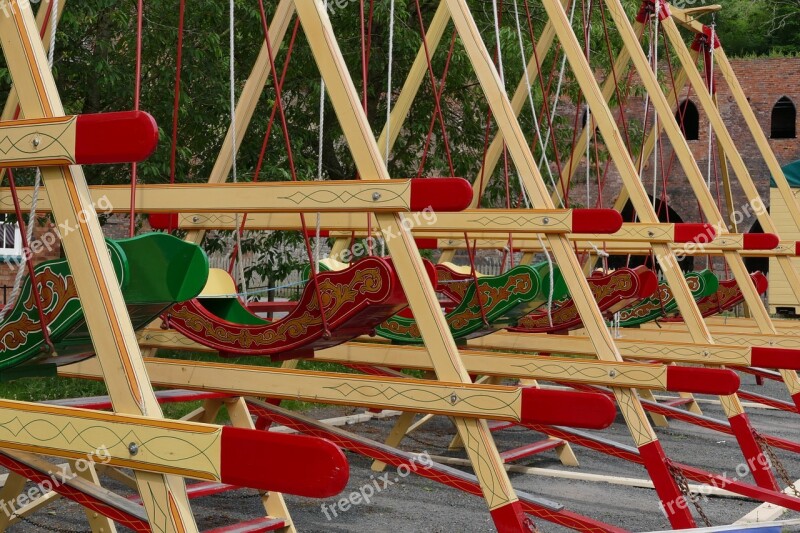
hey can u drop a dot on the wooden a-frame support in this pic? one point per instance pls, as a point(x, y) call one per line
point(698, 329)
point(164, 496)
point(444, 354)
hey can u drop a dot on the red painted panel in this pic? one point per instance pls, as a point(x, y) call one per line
point(757, 461)
point(427, 244)
point(701, 233)
point(163, 221)
point(761, 241)
point(596, 221)
point(672, 502)
point(121, 137)
point(566, 408)
point(444, 195)
point(510, 518)
point(779, 358)
point(702, 380)
point(294, 464)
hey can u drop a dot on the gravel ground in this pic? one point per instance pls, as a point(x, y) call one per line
point(413, 504)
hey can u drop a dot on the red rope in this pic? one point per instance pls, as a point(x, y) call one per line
point(267, 134)
point(177, 98)
point(474, 273)
point(137, 92)
point(292, 169)
point(436, 91)
point(29, 263)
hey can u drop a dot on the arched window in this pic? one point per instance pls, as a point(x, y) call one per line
point(689, 120)
point(784, 119)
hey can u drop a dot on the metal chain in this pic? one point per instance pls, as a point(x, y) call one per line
point(531, 525)
point(777, 463)
point(683, 485)
point(45, 527)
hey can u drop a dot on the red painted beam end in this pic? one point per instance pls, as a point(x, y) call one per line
point(294, 464)
point(427, 244)
point(775, 358)
point(567, 408)
point(445, 195)
point(699, 233)
point(596, 221)
point(702, 380)
point(163, 221)
point(323, 233)
point(761, 241)
point(121, 137)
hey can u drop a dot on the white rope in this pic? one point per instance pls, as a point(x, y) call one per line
point(539, 136)
point(17, 287)
point(53, 26)
point(552, 280)
point(389, 100)
point(320, 148)
point(711, 91)
point(590, 130)
point(557, 99)
point(389, 84)
point(497, 44)
point(654, 44)
point(234, 172)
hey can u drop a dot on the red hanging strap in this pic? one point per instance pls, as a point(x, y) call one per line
point(292, 169)
point(137, 91)
point(267, 134)
point(176, 100)
point(29, 263)
point(474, 273)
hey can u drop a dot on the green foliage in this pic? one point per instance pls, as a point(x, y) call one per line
point(94, 68)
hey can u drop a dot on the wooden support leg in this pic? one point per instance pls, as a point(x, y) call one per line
point(396, 436)
point(11, 489)
point(98, 522)
point(659, 420)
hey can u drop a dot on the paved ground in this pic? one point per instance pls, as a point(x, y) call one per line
point(417, 505)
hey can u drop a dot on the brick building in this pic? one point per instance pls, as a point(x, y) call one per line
point(773, 92)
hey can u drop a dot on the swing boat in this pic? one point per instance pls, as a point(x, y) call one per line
point(354, 302)
point(481, 307)
point(154, 271)
point(613, 292)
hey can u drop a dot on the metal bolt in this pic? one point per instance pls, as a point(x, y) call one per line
point(612, 373)
point(706, 353)
point(133, 448)
point(453, 398)
point(650, 234)
point(36, 141)
point(195, 219)
point(376, 196)
point(546, 220)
